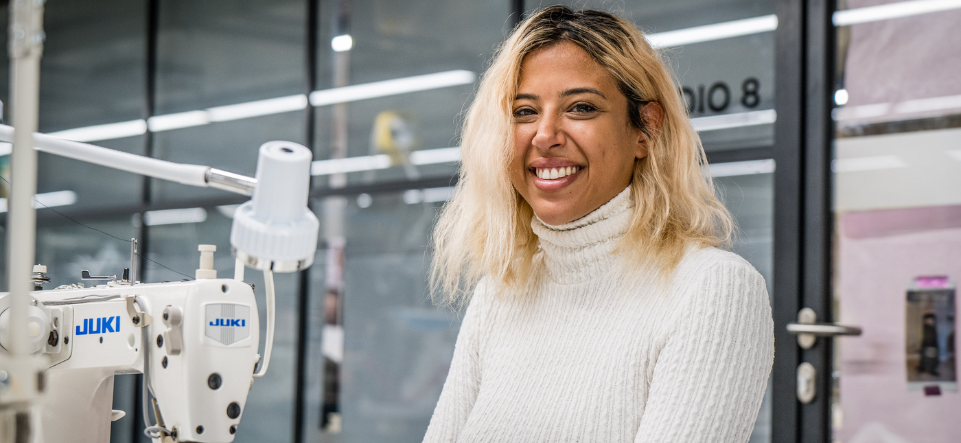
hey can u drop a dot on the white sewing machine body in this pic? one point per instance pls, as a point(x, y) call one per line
point(199, 340)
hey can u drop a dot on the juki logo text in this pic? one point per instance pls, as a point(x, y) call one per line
point(240, 323)
point(100, 325)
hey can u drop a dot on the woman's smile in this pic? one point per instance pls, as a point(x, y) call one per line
point(553, 174)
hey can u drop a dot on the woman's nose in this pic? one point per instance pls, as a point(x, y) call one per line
point(549, 133)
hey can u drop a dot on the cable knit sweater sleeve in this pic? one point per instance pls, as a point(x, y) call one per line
point(710, 377)
point(463, 379)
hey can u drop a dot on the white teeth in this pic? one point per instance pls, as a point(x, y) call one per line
point(555, 173)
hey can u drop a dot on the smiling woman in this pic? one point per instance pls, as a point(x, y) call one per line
point(584, 237)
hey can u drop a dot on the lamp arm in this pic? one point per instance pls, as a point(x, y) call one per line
point(193, 175)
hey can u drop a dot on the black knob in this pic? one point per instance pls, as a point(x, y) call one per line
point(233, 429)
point(160, 341)
point(233, 410)
point(214, 381)
point(53, 338)
point(200, 429)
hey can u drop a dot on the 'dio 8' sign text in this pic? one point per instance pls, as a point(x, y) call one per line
point(718, 96)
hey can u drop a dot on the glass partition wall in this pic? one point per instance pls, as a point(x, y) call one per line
point(897, 227)
point(377, 90)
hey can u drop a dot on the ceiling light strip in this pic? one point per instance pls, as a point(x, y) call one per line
point(737, 120)
point(391, 87)
point(748, 167)
point(893, 10)
point(47, 200)
point(717, 31)
point(103, 132)
point(873, 163)
point(174, 216)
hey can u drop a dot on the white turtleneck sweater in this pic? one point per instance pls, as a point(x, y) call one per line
point(599, 351)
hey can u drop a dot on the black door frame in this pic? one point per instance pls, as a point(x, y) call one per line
point(803, 220)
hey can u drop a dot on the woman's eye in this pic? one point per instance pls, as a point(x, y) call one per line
point(524, 112)
point(583, 108)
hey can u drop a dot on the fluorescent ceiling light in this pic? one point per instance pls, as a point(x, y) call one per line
point(350, 164)
point(429, 195)
point(103, 132)
point(856, 164)
point(841, 97)
point(892, 10)
point(258, 108)
point(364, 200)
point(433, 156)
point(391, 87)
point(713, 32)
point(174, 216)
point(179, 120)
point(342, 43)
point(738, 120)
point(928, 104)
point(58, 198)
point(411, 196)
point(227, 210)
point(863, 111)
point(750, 167)
point(47, 200)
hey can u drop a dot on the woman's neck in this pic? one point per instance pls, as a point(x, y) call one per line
point(582, 249)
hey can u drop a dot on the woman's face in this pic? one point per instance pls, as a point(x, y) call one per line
point(574, 146)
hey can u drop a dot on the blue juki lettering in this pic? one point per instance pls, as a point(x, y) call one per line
point(235, 322)
point(85, 327)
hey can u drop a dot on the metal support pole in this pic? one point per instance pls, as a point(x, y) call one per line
point(22, 376)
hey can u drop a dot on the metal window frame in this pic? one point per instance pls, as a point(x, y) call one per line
point(803, 221)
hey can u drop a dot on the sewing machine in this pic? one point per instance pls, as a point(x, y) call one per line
point(196, 342)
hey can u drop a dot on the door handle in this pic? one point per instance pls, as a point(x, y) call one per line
point(822, 329)
point(808, 329)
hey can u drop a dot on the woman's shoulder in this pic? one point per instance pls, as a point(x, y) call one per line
point(705, 259)
point(709, 266)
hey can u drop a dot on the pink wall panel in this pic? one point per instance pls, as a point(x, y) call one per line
point(880, 253)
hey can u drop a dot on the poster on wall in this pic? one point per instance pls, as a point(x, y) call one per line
point(929, 335)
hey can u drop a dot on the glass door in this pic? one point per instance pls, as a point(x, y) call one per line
point(897, 222)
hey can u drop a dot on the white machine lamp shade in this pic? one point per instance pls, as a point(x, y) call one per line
point(275, 230)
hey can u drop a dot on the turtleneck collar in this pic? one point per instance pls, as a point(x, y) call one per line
point(582, 249)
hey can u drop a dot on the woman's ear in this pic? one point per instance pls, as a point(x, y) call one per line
point(652, 115)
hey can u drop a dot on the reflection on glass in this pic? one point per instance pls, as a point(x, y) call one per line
point(750, 198)
point(727, 78)
point(92, 73)
point(396, 345)
point(898, 224)
point(450, 41)
point(213, 54)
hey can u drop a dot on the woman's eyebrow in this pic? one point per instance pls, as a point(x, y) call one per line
point(525, 97)
point(575, 91)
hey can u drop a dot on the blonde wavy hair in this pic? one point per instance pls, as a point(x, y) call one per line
point(485, 229)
